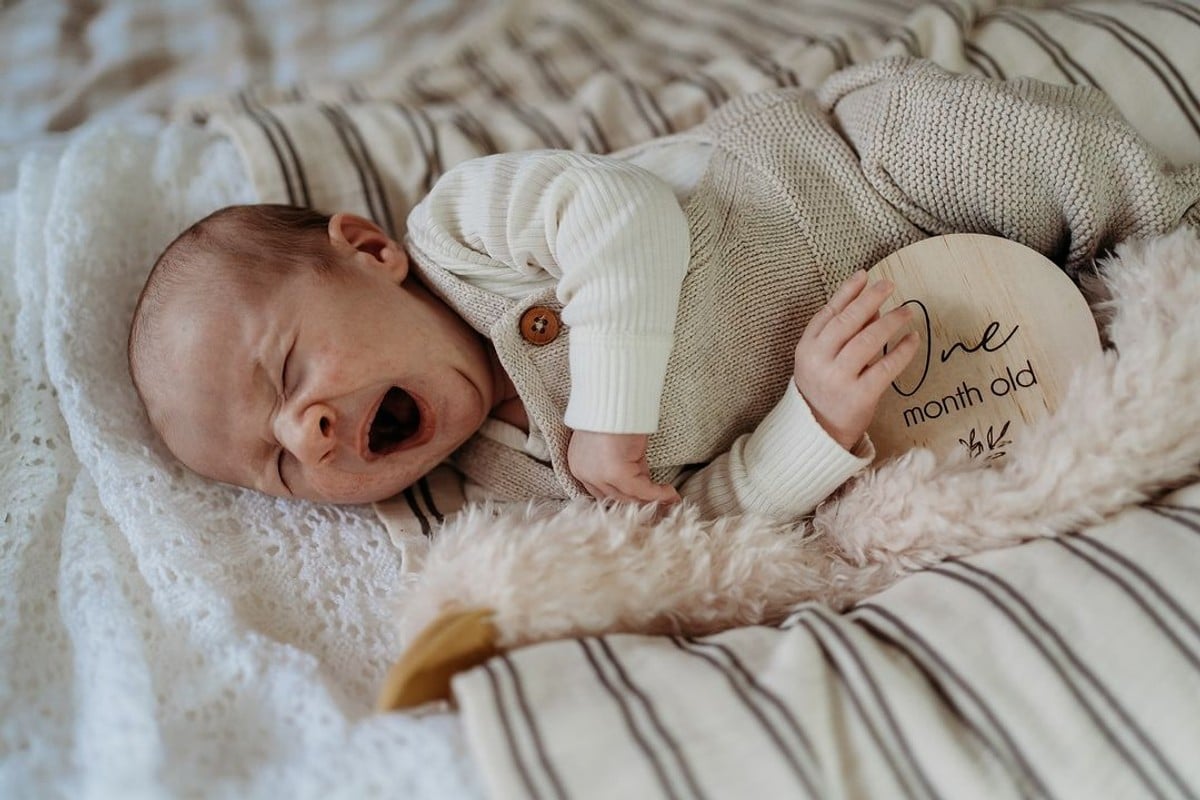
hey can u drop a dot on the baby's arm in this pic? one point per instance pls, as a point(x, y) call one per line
point(814, 439)
point(1055, 168)
point(613, 240)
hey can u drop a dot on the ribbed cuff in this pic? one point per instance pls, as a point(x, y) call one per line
point(793, 463)
point(616, 381)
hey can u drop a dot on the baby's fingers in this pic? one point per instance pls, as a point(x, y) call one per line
point(888, 368)
point(842, 297)
point(860, 351)
point(644, 490)
point(848, 322)
point(641, 489)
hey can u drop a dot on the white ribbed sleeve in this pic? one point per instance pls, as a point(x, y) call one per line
point(782, 469)
point(609, 234)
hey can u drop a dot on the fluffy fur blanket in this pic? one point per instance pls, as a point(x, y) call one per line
point(1128, 428)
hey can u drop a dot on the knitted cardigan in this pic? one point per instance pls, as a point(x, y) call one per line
point(802, 189)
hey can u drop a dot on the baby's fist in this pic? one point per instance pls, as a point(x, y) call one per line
point(836, 368)
point(613, 466)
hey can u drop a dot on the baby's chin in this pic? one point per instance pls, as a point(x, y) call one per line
point(388, 477)
point(361, 489)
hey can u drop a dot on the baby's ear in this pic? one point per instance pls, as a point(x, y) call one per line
point(365, 239)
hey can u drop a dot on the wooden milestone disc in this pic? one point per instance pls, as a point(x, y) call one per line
point(1001, 327)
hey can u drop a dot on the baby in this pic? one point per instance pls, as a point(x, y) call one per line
point(689, 319)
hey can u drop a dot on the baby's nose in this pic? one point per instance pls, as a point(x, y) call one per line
point(307, 433)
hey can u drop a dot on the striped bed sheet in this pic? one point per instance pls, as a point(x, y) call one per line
point(1067, 667)
point(602, 76)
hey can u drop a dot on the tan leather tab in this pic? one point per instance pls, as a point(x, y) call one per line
point(454, 642)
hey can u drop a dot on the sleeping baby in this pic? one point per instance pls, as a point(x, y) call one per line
point(687, 320)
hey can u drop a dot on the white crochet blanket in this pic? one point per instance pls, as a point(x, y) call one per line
point(161, 635)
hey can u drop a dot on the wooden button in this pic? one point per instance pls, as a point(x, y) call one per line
point(540, 325)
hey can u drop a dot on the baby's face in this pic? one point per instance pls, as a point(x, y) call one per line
point(345, 389)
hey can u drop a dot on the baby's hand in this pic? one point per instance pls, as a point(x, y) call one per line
point(836, 370)
point(613, 466)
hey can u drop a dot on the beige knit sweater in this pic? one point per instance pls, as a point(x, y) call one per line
point(685, 323)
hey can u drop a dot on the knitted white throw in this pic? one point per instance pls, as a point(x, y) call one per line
point(1128, 427)
point(161, 635)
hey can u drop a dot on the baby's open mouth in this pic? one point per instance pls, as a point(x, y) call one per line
point(397, 420)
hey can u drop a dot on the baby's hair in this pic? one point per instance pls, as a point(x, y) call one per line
point(245, 246)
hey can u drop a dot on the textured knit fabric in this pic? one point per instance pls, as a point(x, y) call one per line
point(800, 191)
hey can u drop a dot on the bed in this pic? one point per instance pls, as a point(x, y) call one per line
point(162, 636)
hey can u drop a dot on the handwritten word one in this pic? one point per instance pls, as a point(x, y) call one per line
point(985, 343)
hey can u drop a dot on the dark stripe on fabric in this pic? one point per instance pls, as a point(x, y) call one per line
point(584, 44)
point(884, 27)
point(839, 43)
point(542, 68)
point(294, 158)
point(427, 496)
point(377, 184)
point(1187, 12)
point(880, 702)
point(928, 660)
point(806, 780)
point(801, 620)
point(427, 96)
point(367, 191)
point(721, 32)
point(976, 582)
point(411, 499)
point(772, 27)
point(1180, 515)
point(639, 37)
point(475, 132)
point(656, 123)
point(627, 714)
point(781, 75)
point(1115, 27)
point(897, 5)
point(534, 121)
point(593, 134)
point(590, 132)
point(1050, 48)
point(763, 691)
point(506, 723)
point(534, 734)
point(1147, 584)
point(430, 176)
point(335, 122)
point(430, 143)
point(654, 108)
point(651, 714)
point(911, 43)
point(1054, 44)
point(712, 88)
point(956, 14)
point(601, 138)
point(754, 62)
point(983, 60)
point(269, 135)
